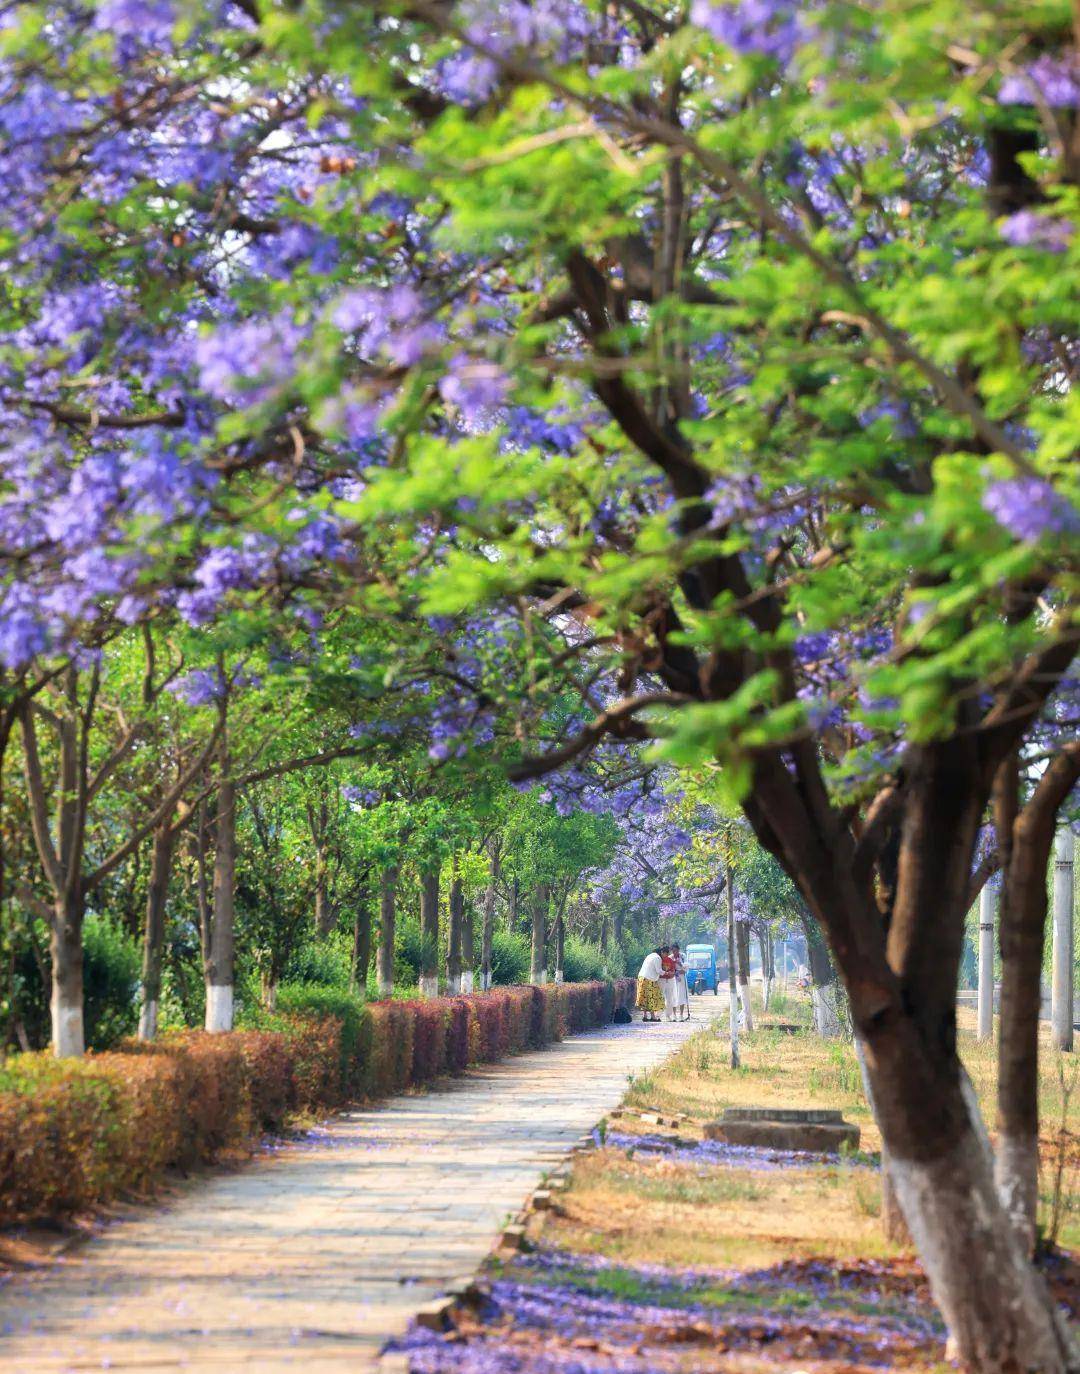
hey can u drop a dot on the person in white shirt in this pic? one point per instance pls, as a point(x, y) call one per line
point(650, 999)
point(680, 992)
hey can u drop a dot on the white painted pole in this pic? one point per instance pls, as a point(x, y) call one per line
point(1061, 996)
point(987, 913)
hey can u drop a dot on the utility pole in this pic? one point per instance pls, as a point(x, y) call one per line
point(1061, 995)
point(987, 910)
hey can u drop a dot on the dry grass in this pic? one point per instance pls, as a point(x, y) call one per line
point(660, 1210)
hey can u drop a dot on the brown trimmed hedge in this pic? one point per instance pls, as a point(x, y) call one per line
point(75, 1132)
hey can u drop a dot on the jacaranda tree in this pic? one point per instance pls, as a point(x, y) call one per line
point(706, 366)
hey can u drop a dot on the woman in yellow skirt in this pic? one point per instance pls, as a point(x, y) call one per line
point(650, 997)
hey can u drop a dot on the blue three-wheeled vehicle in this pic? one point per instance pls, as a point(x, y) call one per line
point(701, 975)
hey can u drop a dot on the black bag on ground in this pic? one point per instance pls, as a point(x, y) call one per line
point(622, 1017)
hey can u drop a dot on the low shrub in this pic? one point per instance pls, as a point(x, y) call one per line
point(583, 961)
point(78, 1132)
point(299, 1002)
point(510, 958)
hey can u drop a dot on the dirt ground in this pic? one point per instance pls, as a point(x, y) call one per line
point(668, 1252)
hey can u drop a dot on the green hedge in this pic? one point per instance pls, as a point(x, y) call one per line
point(75, 1132)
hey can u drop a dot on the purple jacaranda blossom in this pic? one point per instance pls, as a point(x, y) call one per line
point(467, 78)
point(279, 255)
point(200, 687)
point(223, 570)
point(812, 648)
point(22, 632)
point(1049, 80)
point(770, 28)
point(1030, 509)
point(1029, 229)
point(149, 20)
point(390, 324)
point(253, 361)
point(555, 430)
point(476, 388)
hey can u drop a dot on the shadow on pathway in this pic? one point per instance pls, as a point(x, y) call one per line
point(315, 1255)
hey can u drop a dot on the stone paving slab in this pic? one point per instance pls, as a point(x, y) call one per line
point(313, 1257)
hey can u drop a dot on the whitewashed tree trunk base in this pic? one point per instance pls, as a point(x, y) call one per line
point(68, 1036)
point(467, 981)
point(453, 986)
point(539, 979)
point(485, 981)
point(148, 1019)
point(997, 1308)
point(219, 1007)
point(747, 1009)
point(827, 1020)
point(429, 985)
point(559, 976)
point(1016, 1169)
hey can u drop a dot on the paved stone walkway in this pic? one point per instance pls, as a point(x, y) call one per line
point(313, 1257)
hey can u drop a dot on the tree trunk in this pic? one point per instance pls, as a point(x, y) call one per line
point(1022, 924)
point(742, 948)
point(766, 971)
point(453, 945)
point(893, 1225)
point(324, 908)
point(538, 965)
point(825, 988)
point(66, 1002)
point(269, 989)
point(220, 954)
point(984, 1029)
point(154, 934)
point(489, 919)
point(468, 946)
point(361, 949)
point(1061, 1006)
point(998, 1311)
point(387, 916)
point(429, 930)
point(560, 946)
point(733, 1008)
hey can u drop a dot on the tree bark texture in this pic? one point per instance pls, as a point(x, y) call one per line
point(154, 932)
point(66, 1001)
point(1064, 896)
point(219, 956)
point(984, 1018)
point(429, 929)
point(361, 950)
point(541, 898)
point(489, 918)
point(742, 948)
point(453, 944)
point(387, 915)
point(733, 1005)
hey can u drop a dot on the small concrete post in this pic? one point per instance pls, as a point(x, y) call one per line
point(987, 913)
point(1061, 1004)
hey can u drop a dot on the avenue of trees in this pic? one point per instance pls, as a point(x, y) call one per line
point(546, 392)
point(191, 823)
